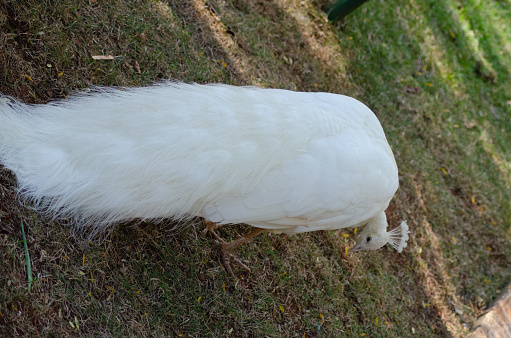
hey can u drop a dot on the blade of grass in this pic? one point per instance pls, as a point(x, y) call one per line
point(27, 257)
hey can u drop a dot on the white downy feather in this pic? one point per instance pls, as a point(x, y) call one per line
point(287, 161)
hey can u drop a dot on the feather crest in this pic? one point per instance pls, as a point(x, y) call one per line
point(398, 237)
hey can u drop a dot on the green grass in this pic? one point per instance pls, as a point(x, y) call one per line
point(437, 75)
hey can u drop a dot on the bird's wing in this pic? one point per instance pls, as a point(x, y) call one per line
point(337, 182)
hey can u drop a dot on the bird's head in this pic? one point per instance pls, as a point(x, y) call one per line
point(375, 235)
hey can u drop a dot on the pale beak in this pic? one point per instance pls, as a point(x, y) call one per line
point(357, 247)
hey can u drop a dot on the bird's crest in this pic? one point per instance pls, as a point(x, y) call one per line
point(399, 236)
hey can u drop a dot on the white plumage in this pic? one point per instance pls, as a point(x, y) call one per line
point(285, 161)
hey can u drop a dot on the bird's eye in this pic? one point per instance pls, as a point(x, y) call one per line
point(369, 239)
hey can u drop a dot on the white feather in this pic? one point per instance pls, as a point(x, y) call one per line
point(276, 159)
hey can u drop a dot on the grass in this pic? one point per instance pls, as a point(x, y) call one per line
point(437, 75)
point(27, 258)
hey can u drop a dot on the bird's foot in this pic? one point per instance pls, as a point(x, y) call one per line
point(228, 258)
point(211, 227)
point(226, 249)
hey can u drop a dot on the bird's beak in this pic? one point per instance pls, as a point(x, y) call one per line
point(357, 247)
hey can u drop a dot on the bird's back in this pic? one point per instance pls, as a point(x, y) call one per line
point(272, 158)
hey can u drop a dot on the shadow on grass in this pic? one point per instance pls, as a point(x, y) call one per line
point(46, 48)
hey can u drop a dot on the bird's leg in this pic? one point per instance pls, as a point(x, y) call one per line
point(211, 227)
point(227, 248)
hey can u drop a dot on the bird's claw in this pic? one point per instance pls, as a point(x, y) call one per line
point(227, 248)
point(211, 227)
point(204, 232)
point(228, 259)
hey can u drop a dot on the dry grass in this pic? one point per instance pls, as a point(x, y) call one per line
point(436, 74)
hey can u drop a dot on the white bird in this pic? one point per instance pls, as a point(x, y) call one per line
point(282, 161)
